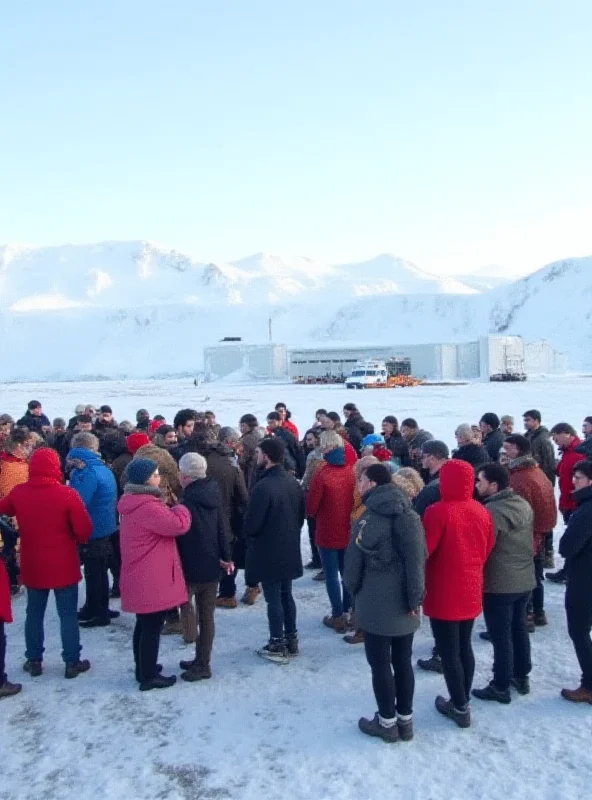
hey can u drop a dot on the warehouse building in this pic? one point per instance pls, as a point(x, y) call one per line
point(477, 360)
point(233, 357)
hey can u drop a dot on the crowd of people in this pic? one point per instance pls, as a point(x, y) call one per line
point(164, 516)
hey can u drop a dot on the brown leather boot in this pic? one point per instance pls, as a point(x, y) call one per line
point(250, 596)
point(580, 695)
point(357, 637)
point(226, 602)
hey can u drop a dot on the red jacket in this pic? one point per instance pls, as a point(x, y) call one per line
point(330, 500)
point(5, 604)
point(289, 426)
point(52, 521)
point(569, 458)
point(460, 535)
point(530, 482)
point(350, 454)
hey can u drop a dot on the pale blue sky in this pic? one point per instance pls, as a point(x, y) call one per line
point(455, 133)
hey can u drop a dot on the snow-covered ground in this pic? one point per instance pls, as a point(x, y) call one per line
point(258, 730)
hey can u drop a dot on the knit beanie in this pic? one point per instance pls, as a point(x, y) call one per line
point(136, 440)
point(140, 469)
point(193, 465)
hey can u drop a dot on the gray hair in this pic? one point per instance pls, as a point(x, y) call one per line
point(465, 432)
point(331, 440)
point(126, 426)
point(228, 435)
point(80, 408)
point(193, 465)
point(86, 441)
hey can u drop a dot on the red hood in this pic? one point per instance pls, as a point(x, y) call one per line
point(457, 481)
point(576, 443)
point(45, 463)
point(11, 458)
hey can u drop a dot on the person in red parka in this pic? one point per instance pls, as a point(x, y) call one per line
point(567, 440)
point(330, 501)
point(460, 535)
point(52, 522)
point(9, 537)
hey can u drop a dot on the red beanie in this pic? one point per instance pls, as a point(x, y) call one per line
point(155, 425)
point(136, 440)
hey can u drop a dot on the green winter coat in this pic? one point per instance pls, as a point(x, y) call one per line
point(510, 566)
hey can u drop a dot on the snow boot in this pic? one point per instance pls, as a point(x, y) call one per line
point(372, 727)
point(462, 716)
point(226, 602)
point(197, 673)
point(557, 577)
point(493, 694)
point(580, 695)
point(522, 685)
point(357, 637)
point(158, 682)
point(405, 727)
point(275, 650)
point(34, 668)
point(433, 664)
point(8, 689)
point(292, 645)
point(250, 596)
point(76, 669)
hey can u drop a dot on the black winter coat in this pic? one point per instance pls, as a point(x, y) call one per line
point(429, 495)
point(474, 454)
point(399, 448)
point(295, 460)
point(205, 543)
point(585, 448)
point(493, 442)
point(273, 522)
point(357, 427)
point(576, 547)
point(33, 423)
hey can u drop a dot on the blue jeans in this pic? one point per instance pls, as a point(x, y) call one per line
point(339, 597)
point(66, 600)
point(281, 608)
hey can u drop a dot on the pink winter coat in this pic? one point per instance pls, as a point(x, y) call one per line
point(151, 574)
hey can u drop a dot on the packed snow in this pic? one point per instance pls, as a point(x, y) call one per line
point(259, 730)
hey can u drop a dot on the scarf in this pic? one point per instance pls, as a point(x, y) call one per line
point(141, 488)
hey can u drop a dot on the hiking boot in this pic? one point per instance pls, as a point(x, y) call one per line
point(158, 682)
point(172, 627)
point(540, 620)
point(9, 689)
point(313, 565)
point(275, 650)
point(292, 645)
point(34, 668)
point(580, 695)
point(530, 624)
point(76, 669)
point(95, 622)
point(557, 577)
point(196, 673)
point(372, 727)
point(320, 576)
point(549, 561)
point(338, 624)
point(158, 671)
point(405, 727)
point(226, 602)
point(522, 685)
point(462, 716)
point(354, 638)
point(433, 664)
point(485, 635)
point(493, 694)
point(250, 596)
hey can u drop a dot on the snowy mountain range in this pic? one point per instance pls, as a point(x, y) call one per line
point(118, 309)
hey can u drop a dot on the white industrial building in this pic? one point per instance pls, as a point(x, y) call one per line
point(477, 360)
point(246, 361)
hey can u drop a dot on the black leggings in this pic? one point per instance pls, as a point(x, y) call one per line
point(146, 643)
point(385, 654)
point(453, 640)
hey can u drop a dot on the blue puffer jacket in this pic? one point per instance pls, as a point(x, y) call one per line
point(96, 485)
